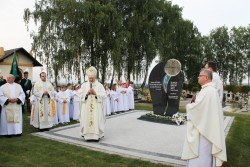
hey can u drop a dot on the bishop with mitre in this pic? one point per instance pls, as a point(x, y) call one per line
point(92, 115)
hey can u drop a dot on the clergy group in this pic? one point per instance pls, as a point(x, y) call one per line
point(91, 102)
point(88, 103)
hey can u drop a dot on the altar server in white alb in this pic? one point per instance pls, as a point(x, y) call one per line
point(204, 144)
point(107, 108)
point(113, 99)
point(92, 116)
point(69, 91)
point(41, 113)
point(125, 97)
point(76, 102)
point(130, 90)
point(120, 103)
point(12, 98)
point(63, 106)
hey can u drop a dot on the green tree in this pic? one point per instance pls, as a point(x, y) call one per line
point(245, 89)
point(220, 49)
point(239, 51)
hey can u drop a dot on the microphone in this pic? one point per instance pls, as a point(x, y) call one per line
point(86, 97)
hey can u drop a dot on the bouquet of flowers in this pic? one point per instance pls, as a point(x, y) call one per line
point(179, 118)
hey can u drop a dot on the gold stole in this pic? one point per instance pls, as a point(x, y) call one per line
point(64, 106)
point(12, 109)
point(91, 111)
point(32, 112)
point(42, 101)
point(53, 105)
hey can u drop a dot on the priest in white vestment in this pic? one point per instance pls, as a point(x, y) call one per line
point(12, 98)
point(63, 106)
point(204, 144)
point(92, 115)
point(41, 113)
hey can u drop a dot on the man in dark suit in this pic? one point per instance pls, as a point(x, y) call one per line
point(27, 86)
point(2, 81)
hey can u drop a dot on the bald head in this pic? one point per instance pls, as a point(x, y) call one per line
point(10, 78)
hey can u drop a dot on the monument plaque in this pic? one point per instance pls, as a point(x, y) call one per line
point(165, 85)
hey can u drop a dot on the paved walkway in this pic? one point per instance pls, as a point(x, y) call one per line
point(127, 136)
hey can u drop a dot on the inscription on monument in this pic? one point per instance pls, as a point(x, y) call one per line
point(155, 85)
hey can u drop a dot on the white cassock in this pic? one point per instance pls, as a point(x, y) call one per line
point(63, 108)
point(205, 138)
point(11, 114)
point(125, 99)
point(92, 115)
point(113, 101)
point(76, 105)
point(41, 110)
point(131, 103)
point(71, 103)
point(120, 104)
point(107, 108)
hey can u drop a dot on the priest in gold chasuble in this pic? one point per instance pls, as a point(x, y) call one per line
point(41, 112)
point(92, 115)
point(12, 98)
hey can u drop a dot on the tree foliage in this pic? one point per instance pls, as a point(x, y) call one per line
point(114, 36)
point(230, 49)
point(123, 37)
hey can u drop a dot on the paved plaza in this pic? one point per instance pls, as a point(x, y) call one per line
point(127, 136)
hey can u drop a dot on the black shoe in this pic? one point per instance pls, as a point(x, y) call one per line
point(92, 140)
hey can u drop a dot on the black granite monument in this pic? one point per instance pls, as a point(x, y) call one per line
point(165, 86)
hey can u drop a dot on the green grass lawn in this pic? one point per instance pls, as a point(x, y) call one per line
point(32, 151)
point(144, 106)
point(237, 141)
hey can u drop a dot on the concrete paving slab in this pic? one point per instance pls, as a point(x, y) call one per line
point(127, 136)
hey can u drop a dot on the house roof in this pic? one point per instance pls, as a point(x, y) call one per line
point(8, 53)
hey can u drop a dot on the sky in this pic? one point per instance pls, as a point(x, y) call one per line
point(205, 14)
point(210, 14)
